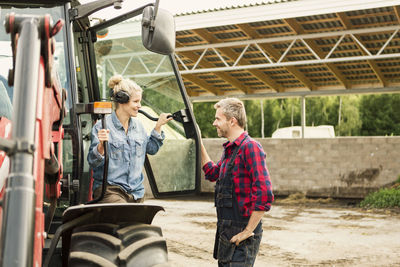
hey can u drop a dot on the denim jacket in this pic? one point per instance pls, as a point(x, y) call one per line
point(126, 154)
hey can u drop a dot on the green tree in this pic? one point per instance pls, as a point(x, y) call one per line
point(380, 114)
point(269, 119)
point(316, 111)
point(350, 122)
point(253, 112)
point(278, 112)
point(367, 115)
point(294, 111)
point(205, 116)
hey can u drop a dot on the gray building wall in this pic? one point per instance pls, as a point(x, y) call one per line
point(348, 167)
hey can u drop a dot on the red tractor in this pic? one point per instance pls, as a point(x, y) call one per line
point(53, 88)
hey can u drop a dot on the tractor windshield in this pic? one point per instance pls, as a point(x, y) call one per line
point(6, 62)
point(119, 50)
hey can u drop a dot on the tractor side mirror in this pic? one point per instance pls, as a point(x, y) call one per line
point(158, 30)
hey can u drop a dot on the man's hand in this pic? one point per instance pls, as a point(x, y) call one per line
point(255, 218)
point(241, 236)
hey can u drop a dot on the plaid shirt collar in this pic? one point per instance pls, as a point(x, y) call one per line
point(237, 141)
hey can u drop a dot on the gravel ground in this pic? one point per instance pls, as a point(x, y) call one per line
point(296, 233)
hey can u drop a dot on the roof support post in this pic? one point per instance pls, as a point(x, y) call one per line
point(303, 115)
point(262, 117)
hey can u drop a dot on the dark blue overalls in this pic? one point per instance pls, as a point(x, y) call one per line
point(231, 222)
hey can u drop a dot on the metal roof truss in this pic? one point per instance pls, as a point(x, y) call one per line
point(334, 55)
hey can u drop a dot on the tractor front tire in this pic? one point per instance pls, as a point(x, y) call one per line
point(111, 245)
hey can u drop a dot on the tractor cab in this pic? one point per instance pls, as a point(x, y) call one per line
point(116, 46)
point(83, 51)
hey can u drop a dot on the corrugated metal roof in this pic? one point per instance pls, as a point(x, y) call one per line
point(340, 75)
point(256, 3)
point(231, 43)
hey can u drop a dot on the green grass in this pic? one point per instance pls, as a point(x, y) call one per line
point(384, 198)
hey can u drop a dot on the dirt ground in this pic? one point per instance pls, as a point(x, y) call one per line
point(297, 232)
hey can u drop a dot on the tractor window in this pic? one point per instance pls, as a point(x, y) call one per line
point(6, 54)
point(119, 50)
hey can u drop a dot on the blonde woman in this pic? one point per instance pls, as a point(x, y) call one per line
point(128, 144)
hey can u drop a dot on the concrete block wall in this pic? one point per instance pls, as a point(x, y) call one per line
point(347, 167)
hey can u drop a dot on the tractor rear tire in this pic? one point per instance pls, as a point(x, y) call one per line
point(111, 245)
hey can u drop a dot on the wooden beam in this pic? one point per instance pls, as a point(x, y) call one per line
point(378, 73)
point(344, 19)
point(348, 26)
point(224, 76)
point(190, 91)
point(294, 26)
point(331, 67)
point(397, 12)
point(201, 83)
point(224, 52)
point(233, 55)
point(291, 69)
point(292, 23)
point(276, 55)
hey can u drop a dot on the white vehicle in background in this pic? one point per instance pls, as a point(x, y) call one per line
point(322, 131)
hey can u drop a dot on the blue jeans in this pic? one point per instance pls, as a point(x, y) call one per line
point(243, 255)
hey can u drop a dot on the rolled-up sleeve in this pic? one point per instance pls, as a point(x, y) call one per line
point(94, 158)
point(261, 187)
point(211, 170)
point(155, 142)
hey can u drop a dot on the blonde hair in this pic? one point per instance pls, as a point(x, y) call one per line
point(118, 83)
point(233, 108)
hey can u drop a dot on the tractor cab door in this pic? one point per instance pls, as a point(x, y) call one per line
point(116, 47)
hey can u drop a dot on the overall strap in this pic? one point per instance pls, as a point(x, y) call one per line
point(225, 198)
point(232, 159)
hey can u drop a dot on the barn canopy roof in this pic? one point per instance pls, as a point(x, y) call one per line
point(293, 48)
point(288, 48)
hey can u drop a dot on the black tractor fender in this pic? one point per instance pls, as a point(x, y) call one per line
point(108, 213)
point(113, 212)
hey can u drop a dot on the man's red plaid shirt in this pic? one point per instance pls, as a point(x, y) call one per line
point(250, 174)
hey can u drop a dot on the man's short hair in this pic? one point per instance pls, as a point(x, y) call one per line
point(233, 108)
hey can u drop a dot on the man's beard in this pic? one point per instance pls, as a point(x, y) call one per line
point(221, 132)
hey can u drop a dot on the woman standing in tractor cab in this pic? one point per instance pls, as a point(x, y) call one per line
point(128, 144)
